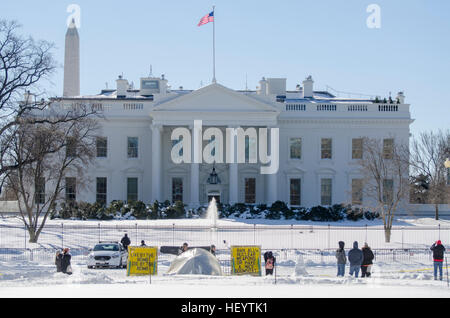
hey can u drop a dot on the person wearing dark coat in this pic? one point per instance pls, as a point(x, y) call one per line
point(367, 261)
point(270, 260)
point(183, 248)
point(341, 259)
point(438, 258)
point(58, 261)
point(355, 258)
point(125, 241)
point(212, 249)
point(66, 268)
point(143, 243)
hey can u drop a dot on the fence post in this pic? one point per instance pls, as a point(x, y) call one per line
point(402, 234)
point(25, 235)
point(173, 234)
point(62, 235)
point(439, 225)
point(328, 235)
point(254, 234)
point(137, 239)
point(99, 237)
point(366, 233)
point(292, 236)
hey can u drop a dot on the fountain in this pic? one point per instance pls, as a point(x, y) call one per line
point(212, 214)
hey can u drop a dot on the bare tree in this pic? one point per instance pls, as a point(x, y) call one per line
point(428, 154)
point(384, 168)
point(24, 65)
point(39, 184)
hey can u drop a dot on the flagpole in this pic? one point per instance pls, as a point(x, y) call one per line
point(214, 46)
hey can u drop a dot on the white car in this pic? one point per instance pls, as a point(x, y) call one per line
point(107, 255)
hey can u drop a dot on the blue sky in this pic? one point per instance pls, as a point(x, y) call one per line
point(327, 39)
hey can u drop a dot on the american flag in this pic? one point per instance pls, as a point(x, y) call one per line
point(207, 18)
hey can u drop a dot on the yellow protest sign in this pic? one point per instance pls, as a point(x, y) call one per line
point(246, 260)
point(142, 260)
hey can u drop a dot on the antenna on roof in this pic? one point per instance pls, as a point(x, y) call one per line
point(151, 71)
point(246, 84)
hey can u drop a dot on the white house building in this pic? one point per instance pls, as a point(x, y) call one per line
point(318, 146)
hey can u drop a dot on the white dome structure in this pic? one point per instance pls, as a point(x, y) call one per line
point(195, 261)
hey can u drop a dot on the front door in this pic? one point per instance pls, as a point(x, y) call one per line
point(215, 195)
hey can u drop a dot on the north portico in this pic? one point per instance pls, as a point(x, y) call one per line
point(220, 108)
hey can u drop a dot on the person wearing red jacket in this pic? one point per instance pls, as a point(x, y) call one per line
point(438, 258)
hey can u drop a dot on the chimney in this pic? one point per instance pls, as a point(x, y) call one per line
point(308, 87)
point(122, 87)
point(262, 87)
point(401, 97)
point(276, 86)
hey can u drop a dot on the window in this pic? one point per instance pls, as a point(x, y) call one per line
point(71, 147)
point(132, 189)
point(388, 191)
point(357, 148)
point(133, 144)
point(325, 192)
point(250, 190)
point(295, 148)
point(102, 147)
point(388, 148)
point(71, 189)
point(39, 191)
point(176, 142)
point(295, 192)
point(357, 191)
point(101, 190)
point(326, 148)
point(177, 189)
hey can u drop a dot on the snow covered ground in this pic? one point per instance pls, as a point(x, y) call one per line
point(410, 276)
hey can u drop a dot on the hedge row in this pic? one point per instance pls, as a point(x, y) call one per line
point(166, 210)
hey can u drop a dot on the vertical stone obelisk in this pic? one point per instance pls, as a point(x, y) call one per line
point(72, 62)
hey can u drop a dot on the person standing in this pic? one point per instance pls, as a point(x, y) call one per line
point(355, 258)
point(125, 241)
point(270, 262)
point(438, 258)
point(58, 261)
point(66, 268)
point(341, 259)
point(367, 261)
point(143, 243)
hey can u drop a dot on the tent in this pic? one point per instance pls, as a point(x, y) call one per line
point(195, 261)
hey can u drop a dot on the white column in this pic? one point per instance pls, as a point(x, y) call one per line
point(233, 172)
point(271, 179)
point(156, 162)
point(195, 167)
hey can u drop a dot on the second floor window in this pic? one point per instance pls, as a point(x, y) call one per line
point(326, 148)
point(295, 148)
point(133, 147)
point(388, 148)
point(71, 147)
point(102, 147)
point(357, 148)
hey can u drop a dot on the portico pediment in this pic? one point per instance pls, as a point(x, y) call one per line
point(215, 98)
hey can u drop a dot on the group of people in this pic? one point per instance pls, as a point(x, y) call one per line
point(362, 259)
point(359, 259)
point(125, 241)
point(62, 261)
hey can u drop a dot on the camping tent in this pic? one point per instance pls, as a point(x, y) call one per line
point(195, 261)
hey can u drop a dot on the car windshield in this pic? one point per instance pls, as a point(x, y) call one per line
point(106, 247)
